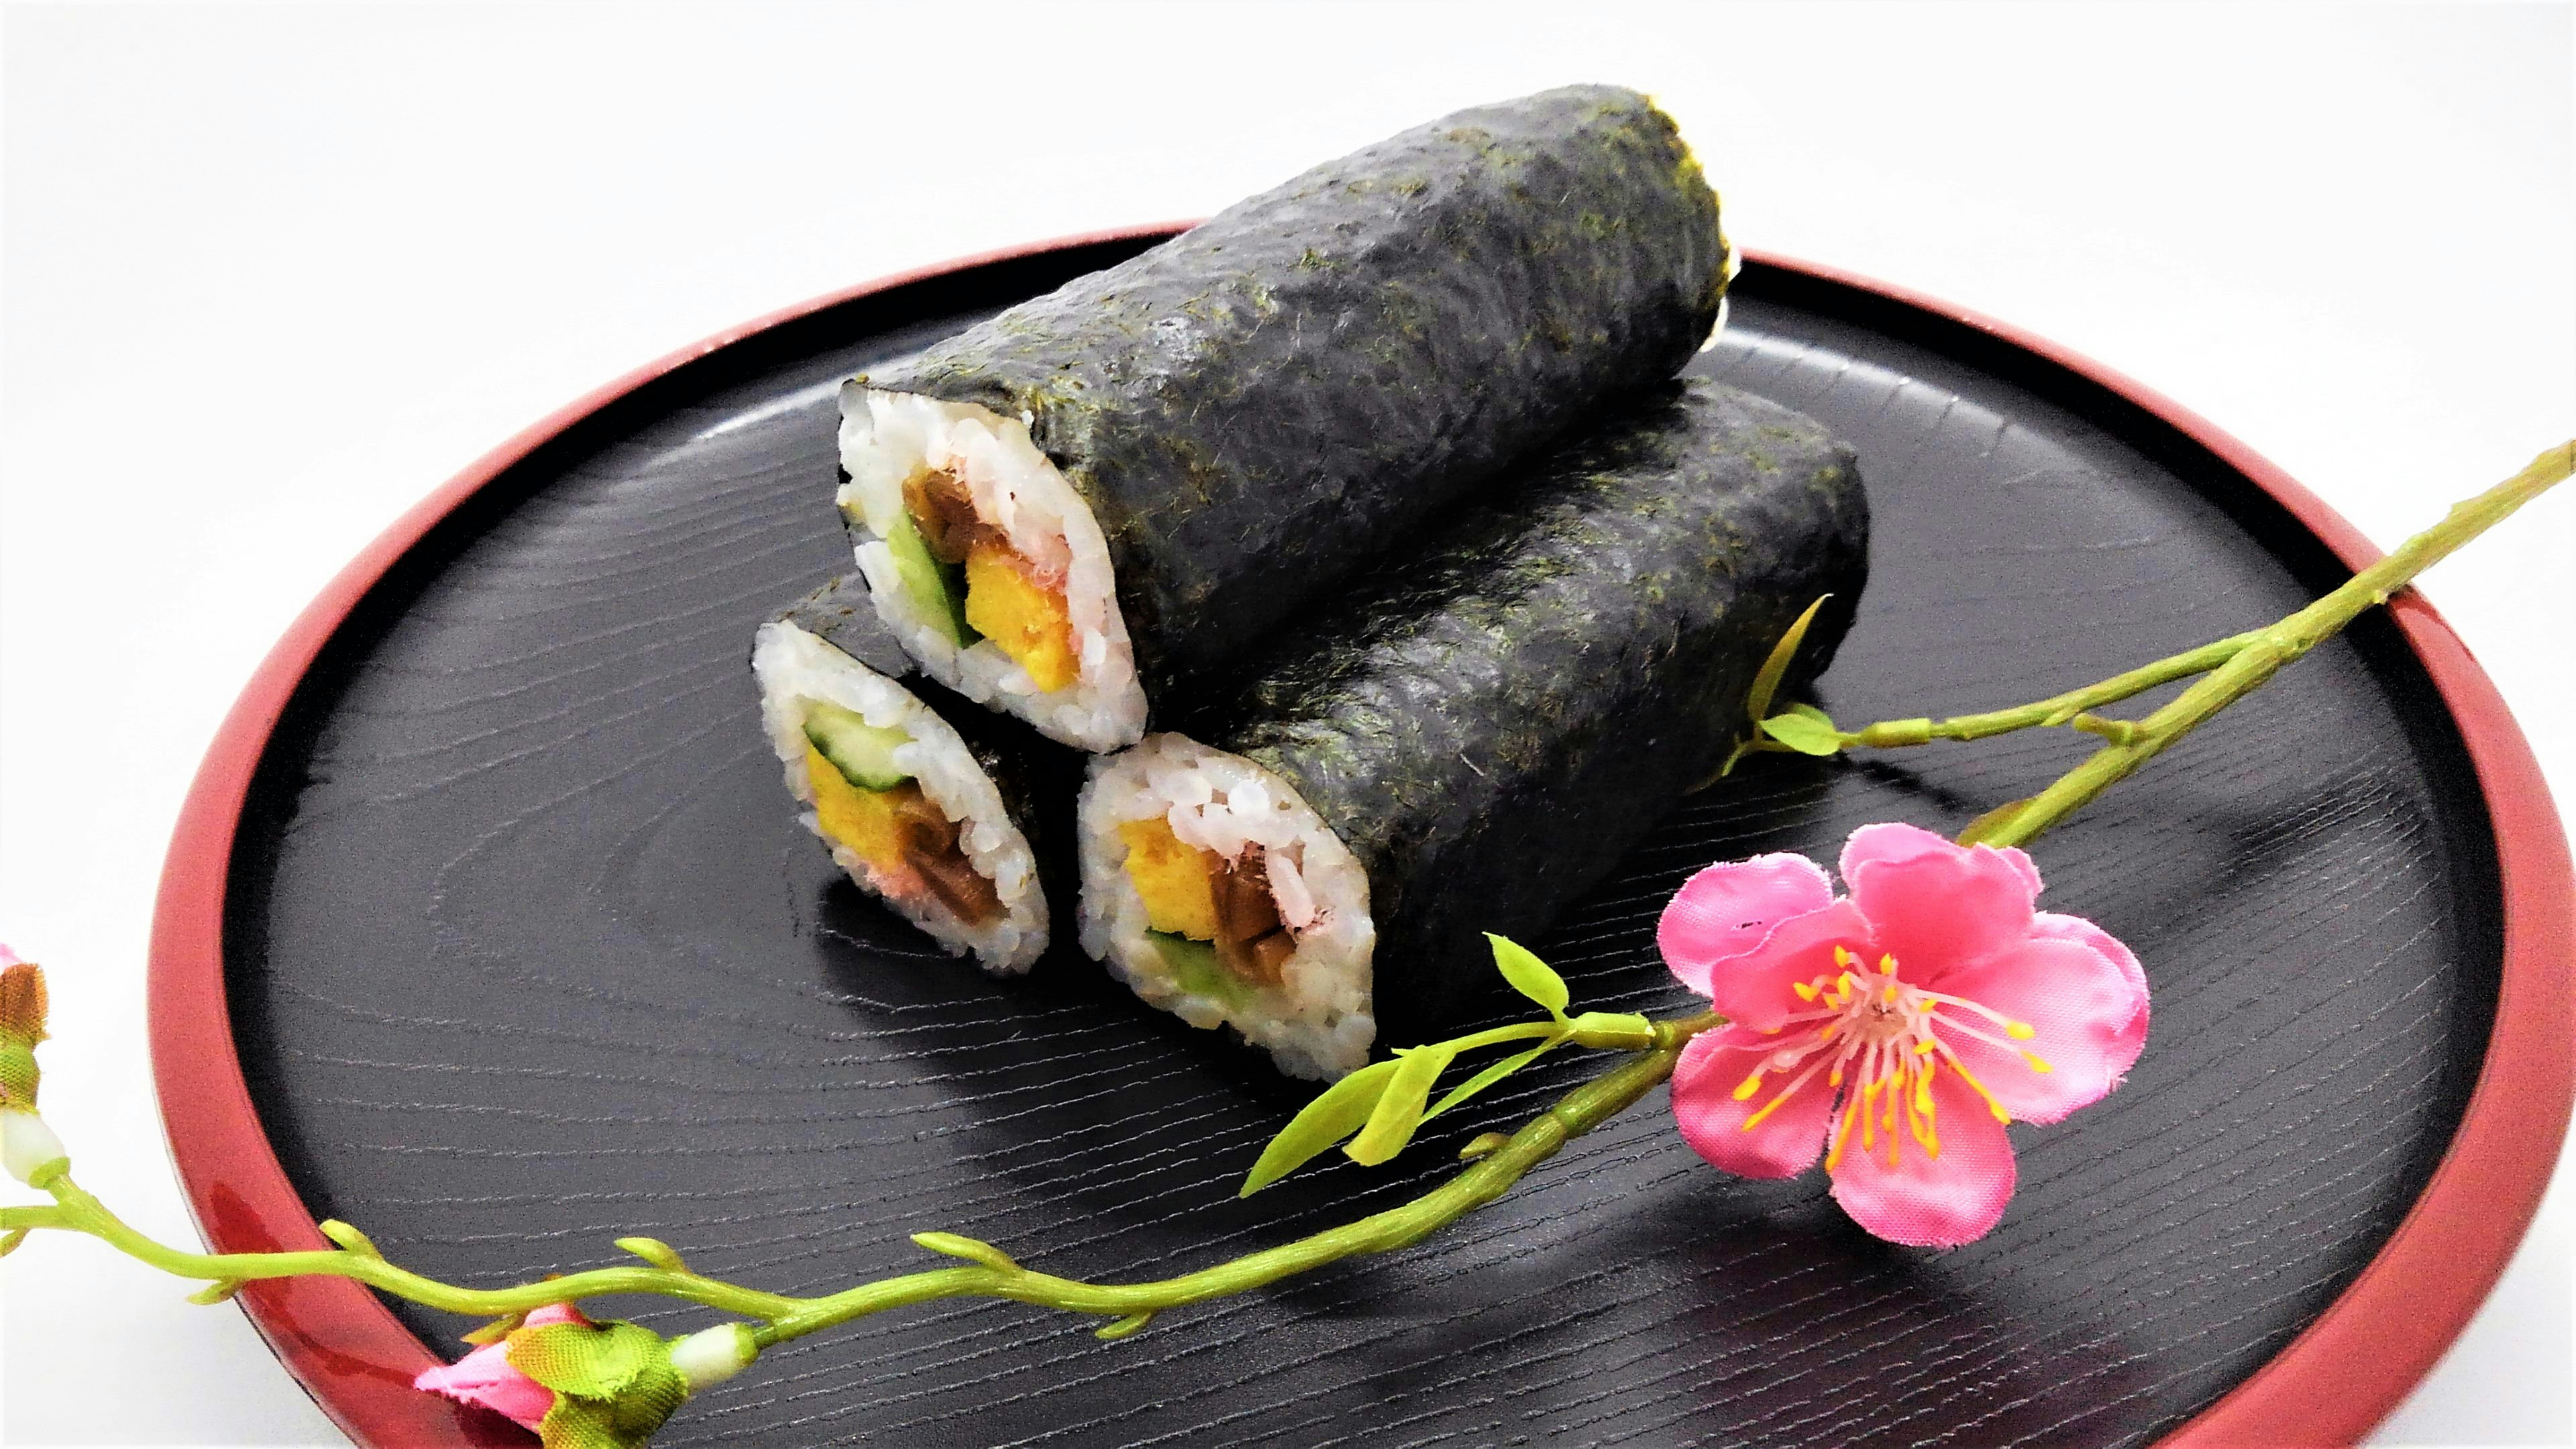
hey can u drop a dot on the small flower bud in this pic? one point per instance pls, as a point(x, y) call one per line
point(713, 1355)
point(27, 1144)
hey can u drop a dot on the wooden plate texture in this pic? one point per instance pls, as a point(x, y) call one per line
point(491, 930)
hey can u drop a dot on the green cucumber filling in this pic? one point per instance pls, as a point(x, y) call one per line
point(939, 587)
point(1196, 969)
point(862, 752)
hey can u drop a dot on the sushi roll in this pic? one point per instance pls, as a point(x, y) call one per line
point(1473, 737)
point(1097, 494)
point(925, 800)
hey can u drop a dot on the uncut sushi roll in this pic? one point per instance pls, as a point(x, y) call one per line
point(1473, 738)
point(929, 803)
point(1069, 509)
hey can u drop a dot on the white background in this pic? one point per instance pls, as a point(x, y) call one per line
point(273, 274)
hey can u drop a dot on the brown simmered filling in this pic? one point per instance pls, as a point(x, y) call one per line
point(945, 513)
point(929, 842)
point(1250, 938)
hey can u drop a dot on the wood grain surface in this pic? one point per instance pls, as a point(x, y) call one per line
point(527, 951)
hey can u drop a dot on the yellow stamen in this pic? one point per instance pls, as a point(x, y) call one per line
point(1887, 965)
point(1842, 1133)
point(1991, 1104)
point(1806, 990)
point(1746, 1088)
point(1889, 996)
point(1844, 957)
point(1926, 1048)
point(2019, 1030)
point(1768, 1108)
point(2036, 1063)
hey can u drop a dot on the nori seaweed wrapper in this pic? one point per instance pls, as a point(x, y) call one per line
point(1490, 725)
point(1037, 778)
point(1255, 407)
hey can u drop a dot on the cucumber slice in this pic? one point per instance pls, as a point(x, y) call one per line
point(1196, 969)
point(863, 753)
point(940, 587)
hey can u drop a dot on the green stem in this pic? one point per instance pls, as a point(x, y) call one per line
point(784, 1317)
point(2060, 709)
point(78, 1210)
point(2262, 654)
point(2294, 636)
point(1578, 1111)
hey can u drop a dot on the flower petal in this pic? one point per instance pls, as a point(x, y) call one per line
point(2053, 926)
point(1924, 1200)
point(2088, 1020)
point(1756, 989)
point(485, 1377)
point(1726, 910)
point(1936, 905)
point(1789, 1137)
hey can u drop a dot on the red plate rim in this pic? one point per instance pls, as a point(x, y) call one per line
point(2330, 1386)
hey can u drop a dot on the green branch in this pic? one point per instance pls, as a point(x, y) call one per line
point(993, 1274)
point(2263, 654)
point(2230, 668)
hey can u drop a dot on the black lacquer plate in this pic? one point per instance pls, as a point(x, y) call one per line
point(525, 950)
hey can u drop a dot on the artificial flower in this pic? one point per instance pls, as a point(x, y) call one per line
point(587, 1385)
point(487, 1377)
point(1894, 1030)
point(27, 1145)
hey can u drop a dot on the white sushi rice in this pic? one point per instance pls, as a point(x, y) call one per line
point(1317, 1022)
point(795, 669)
point(889, 437)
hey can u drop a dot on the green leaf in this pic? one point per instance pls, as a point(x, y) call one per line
point(1488, 1077)
point(10, 1240)
point(1485, 1145)
point(627, 1420)
point(1399, 1111)
point(1332, 1116)
point(975, 1249)
point(1993, 820)
point(1766, 681)
point(656, 1252)
point(1605, 1028)
point(1806, 729)
point(594, 1361)
point(1530, 976)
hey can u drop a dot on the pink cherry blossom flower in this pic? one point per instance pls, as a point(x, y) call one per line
point(487, 1377)
point(1895, 1030)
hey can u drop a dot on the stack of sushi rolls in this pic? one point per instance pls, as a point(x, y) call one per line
point(1073, 510)
point(1374, 498)
point(928, 803)
point(1472, 737)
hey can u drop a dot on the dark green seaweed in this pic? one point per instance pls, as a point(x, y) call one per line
point(1256, 406)
point(1038, 778)
point(1493, 723)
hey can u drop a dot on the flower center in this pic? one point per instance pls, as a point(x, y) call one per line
point(1873, 1035)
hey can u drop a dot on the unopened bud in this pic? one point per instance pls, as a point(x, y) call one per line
point(27, 1144)
point(711, 1356)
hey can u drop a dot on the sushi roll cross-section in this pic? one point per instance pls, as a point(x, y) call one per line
point(1474, 736)
point(1098, 495)
point(916, 814)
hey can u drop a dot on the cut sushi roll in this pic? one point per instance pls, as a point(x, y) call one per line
point(1071, 508)
point(915, 814)
point(1474, 737)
